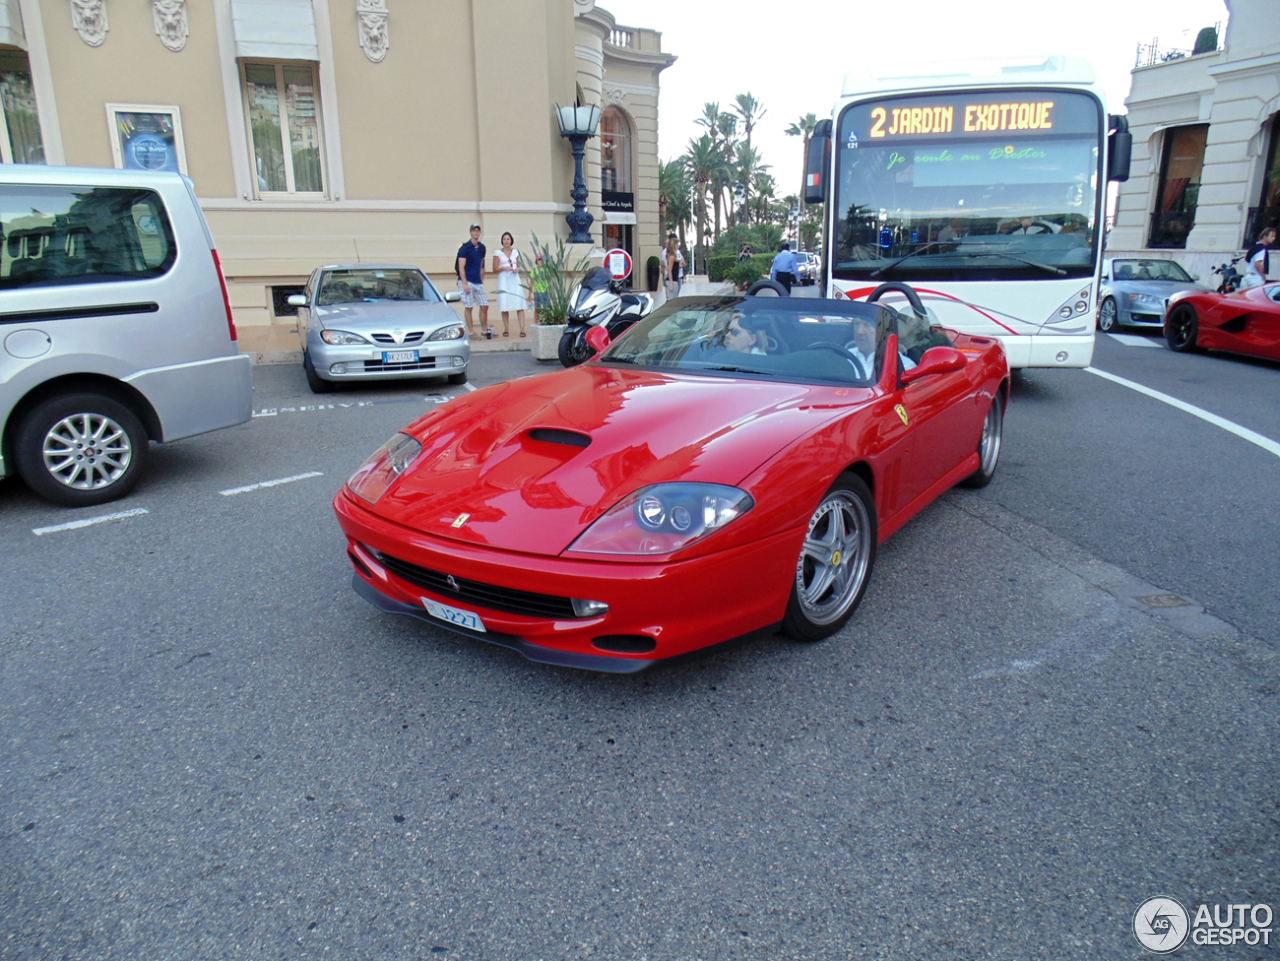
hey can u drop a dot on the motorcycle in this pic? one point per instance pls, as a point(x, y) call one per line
point(1230, 276)
point(598, 301)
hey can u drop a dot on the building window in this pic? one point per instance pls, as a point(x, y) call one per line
point(1179, 187)
point(615, 151)
point(280, 300)
point(281, 104)
point(1267, 213)
point(20, 133)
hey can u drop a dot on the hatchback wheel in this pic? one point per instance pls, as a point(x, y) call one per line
point(81, 449)
point(835, 562)
point(317, 383)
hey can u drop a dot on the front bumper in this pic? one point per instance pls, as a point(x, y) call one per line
point(683, 607)
point(435, 357)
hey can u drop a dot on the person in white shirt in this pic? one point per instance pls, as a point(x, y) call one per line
point(863, 347)
point(1258, 260)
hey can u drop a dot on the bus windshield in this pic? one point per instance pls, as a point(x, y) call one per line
point(981, 186)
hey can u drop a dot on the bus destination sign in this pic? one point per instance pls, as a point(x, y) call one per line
point(1024, 112)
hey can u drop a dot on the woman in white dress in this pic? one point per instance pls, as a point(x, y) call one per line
point(506, 264)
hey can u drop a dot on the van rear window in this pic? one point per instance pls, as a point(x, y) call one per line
point(54, 236)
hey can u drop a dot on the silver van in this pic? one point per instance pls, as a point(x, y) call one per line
point(115, 328)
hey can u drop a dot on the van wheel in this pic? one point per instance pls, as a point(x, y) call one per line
point(317, 383)
point(81, 449)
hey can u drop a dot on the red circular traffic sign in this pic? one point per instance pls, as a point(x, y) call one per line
point(618, 263)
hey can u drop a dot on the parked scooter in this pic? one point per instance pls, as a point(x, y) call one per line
point(598, 300)
point(1230, 276)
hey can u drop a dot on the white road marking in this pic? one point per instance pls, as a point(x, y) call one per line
point(469, 386)
point(1135, 340)
point(271, 483)
point(89, 522)
point(304, 408)
point(1266, 443)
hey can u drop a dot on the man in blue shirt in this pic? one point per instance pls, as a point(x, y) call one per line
point(470, 271)
point(784, 267)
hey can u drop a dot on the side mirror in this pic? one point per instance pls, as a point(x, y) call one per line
point(297, 300)
point(1195, 276)
point(816, 163)
point(1119, 148)
point(936, 360)
point(598, 338)
point(452, 296)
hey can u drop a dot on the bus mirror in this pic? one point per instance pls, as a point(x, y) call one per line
point(817, 163)
point(1119, 149)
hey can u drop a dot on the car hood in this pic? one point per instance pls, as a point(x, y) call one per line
point(489, 455)
point(386, 315)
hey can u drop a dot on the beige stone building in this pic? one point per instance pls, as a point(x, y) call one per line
point(1204, 177)
point(321, 131)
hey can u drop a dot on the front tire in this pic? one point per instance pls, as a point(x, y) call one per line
point(835, 562)
point(1108, 316)
point(456, 379)
point(81, 449)
point(988, 447)
point(1182, 329)
point(574, 349)
point(317, 383)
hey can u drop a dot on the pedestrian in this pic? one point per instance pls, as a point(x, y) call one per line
point(1257, 260)
point(783, 269)
point(744, 254)
point(470, 271)
point(671, 267)
point(539, 280)
point(506, 264)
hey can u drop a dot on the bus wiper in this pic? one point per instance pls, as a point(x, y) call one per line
point(919, 250)
point(1022, 260)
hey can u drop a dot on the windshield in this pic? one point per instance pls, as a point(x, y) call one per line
point(370, 285)
point(773, 338)
point(1149, 270)
point(981, 186)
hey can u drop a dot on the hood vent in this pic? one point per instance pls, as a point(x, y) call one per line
point(569, 438)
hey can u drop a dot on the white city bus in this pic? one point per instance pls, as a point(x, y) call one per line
point(983, 188)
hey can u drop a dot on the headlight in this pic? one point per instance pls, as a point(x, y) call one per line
point(341, 338)
point(1150, 300)
point(452, 332)
point(663, 518)
point(388, 462)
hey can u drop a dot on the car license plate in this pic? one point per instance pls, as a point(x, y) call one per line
point(399, 356)
point(454, 616)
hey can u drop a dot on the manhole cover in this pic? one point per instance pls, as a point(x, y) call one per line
point(1163, 600)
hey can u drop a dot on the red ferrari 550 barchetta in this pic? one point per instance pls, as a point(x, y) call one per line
point(727, 467)
point(1245, 322)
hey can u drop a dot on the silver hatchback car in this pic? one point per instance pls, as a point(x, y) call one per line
point(115, 328)
point(378, 321)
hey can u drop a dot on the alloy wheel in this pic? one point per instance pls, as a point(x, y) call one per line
point(87, 451)
point(835, 557)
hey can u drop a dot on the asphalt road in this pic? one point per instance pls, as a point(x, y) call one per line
point(213, 749)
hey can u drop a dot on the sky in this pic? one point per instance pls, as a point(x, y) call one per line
point(793, 56)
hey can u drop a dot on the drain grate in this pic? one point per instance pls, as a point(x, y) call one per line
point(1164, 600)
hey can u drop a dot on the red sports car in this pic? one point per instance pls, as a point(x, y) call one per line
point(1246, 322)
point(727, 467)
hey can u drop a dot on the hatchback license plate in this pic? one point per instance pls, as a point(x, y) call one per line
point(454, 616)
point(399, 356)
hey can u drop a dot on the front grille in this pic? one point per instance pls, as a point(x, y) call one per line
point(481, 595)
point(424, 363)
point(410, 338)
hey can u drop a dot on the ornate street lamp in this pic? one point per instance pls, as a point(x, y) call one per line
point(578, 124)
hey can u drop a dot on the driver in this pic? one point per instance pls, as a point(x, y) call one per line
point(863, 346)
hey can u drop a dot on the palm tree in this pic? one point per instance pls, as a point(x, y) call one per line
point(727, 128)
point(803, 128)
point(750, 110)
point(674, 208)
point(748, 167)
point(702, 160)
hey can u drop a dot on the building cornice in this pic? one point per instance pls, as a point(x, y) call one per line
point(1250, 67)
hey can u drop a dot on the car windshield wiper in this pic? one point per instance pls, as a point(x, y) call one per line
point(919, 250)
point(737, 370)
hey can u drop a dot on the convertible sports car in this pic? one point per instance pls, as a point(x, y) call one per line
point(727, 467)
point(1245, 322)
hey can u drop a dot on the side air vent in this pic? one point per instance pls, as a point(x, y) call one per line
point(570, 438)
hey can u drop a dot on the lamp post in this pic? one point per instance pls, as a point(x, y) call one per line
point(578, 125)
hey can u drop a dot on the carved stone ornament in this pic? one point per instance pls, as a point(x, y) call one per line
point(89, 17)
point(372, 18)
point(170, 17)
point(615, 96)
point(583, 6)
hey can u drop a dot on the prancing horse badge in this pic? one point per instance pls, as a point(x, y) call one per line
point(902, 413)
point(462, 518)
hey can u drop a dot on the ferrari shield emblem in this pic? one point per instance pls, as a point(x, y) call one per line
point(902, 413)
point(462, 519)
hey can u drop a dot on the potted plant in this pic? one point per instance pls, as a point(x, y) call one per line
point(559, 273)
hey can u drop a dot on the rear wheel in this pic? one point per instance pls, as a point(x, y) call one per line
point(835, 561)
point(988, 447)
point(317, 383)
point(1181, 329)
point(1108, 316)
point(81, 449)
